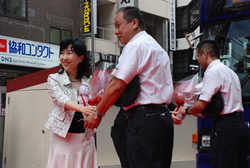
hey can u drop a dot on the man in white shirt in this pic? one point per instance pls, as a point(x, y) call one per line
point(150, 126)
point(229, 132)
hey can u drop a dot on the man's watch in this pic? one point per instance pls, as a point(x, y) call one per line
point(186, 110)
point(97, 115)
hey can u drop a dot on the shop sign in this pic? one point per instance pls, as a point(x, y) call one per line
point(172, 29)
point(124, 3)
point(14, 51)
point(87, 16)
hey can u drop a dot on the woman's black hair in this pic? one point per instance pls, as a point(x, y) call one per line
point(79, 47)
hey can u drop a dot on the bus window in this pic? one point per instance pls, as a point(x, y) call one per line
point(234, 41)
point(237, 54)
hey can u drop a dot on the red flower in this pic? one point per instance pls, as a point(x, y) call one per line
point(94, 101)
point(179, 102)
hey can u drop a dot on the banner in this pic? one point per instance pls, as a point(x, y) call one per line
point(14, 51)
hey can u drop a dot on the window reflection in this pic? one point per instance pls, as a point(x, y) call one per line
point(234, 41)
point(58, 34)
point(2, 7)
point(13, 8)
point(16, 7)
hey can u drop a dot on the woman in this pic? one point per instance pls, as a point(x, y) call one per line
point(69, 146)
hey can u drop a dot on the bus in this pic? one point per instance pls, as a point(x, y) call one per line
point(228, 23)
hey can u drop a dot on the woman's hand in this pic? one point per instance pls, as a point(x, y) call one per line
point(176, 120)
point(87, 110)
point(90, 122)
point(178, 115)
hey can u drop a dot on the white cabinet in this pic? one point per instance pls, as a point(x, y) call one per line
point(26, 141)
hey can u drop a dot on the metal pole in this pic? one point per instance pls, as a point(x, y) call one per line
point(93, 48)
point(92, 36)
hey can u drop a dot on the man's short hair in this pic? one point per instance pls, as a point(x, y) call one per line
point(210, 46)
point(131, 12)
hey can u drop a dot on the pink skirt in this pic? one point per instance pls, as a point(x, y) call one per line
point(73, 151)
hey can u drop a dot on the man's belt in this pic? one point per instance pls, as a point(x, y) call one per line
point(233, 114)
point(134, 109)
point(148, 106)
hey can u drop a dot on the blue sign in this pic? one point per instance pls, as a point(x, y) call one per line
point(29, 49)
point(28, 53)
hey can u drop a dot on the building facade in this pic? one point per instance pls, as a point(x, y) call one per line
point(29, 27)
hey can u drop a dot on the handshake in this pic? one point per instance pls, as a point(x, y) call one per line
point(186, 92)
point(178, 115)
point(179, 112)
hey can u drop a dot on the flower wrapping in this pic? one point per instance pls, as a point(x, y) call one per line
point(92, 95)
point(84, 93)
point(187, 90)
point(98, 84)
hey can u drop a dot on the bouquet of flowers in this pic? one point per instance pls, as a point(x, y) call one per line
point(186, 92)
point(92, 95)
point(84, 93)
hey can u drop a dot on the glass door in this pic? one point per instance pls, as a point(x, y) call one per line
point(2, 100)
